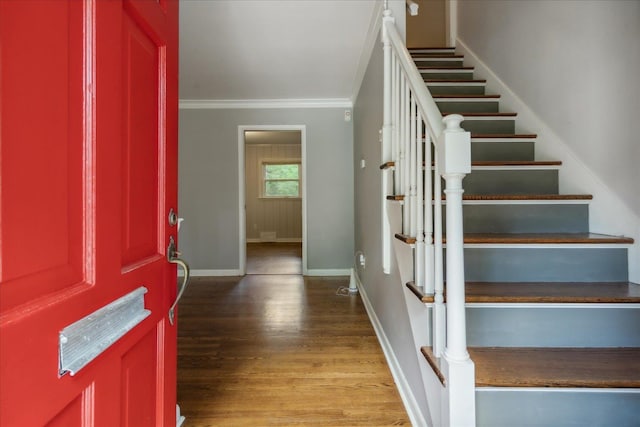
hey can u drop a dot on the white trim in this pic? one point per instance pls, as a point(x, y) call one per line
point(408, 399)
point(563, 305)
point(328, 272)
point(432, 50)
point(216, 273)
point(197, 104)
point(482, 118)
point(438, 58)
point(367, 49)
point(451, 21)
point(526, 202)
point(277, 240)
point(496, 100)
point(547, 245)
point(515, 168)
point(504, 140)
point(561, 390)
point(242, 238)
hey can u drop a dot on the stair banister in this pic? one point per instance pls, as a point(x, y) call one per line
point(408, 106)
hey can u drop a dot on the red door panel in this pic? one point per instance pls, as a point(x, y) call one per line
point(88, 146)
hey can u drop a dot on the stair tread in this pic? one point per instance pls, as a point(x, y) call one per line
point(442, 67)
point(532, 197)
point(556, 367)
point(454, 82)
point(541, 238)
point(435, 55)
point(462, 96)
point(470, 114)
point(532, 238)
point(544, 292)
point(504, 136)
point(392, 163)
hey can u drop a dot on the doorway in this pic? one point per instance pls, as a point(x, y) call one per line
point(272, 199)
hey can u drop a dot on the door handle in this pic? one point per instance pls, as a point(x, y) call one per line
point(173, 256)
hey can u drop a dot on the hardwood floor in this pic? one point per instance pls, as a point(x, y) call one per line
point(276, 350)
point(274, 258)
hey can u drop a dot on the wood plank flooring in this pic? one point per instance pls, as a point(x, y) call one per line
point(274, 258)
point(276, 350)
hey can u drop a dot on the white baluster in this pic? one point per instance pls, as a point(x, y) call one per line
point(439, 319)
point(413, 172)
point(420, 260)
point(406, 164)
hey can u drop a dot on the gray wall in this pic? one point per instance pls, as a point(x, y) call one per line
point(209, 191)
point(576, 65)
point(384, 291)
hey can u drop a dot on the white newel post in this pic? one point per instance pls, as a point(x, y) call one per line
point(387, 129)
point(454, 159)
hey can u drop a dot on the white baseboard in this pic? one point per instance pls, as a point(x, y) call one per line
point(279, 240)
point(204, 273)
point(328, 272)
point(608, 214)
point(408, 399)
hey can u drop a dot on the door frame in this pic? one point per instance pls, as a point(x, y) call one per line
point(242, 237)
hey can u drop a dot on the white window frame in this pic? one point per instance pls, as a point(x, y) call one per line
point(263, 181)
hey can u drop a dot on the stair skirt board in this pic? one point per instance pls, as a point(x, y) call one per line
point(509, 407)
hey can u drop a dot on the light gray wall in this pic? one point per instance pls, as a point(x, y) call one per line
point(209, 190)
point(576, 64)
point(384, 291)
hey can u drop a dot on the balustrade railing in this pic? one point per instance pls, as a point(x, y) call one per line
point(425, 149)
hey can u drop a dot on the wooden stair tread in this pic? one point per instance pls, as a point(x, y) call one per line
point(454, 82)
point(461, 96)
point(542, 238)
point(514, 197)
point(543, 292)
point(391, 163)
point(556, 367)
point(556, 292)
point(532, 238)
point(483, 114)
point(504, 136)
point(443, 67)
point(435, 55)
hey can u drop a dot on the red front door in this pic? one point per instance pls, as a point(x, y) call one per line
point(88, 147)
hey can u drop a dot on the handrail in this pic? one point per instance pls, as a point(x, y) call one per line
point(418, 175)
point(428, 107)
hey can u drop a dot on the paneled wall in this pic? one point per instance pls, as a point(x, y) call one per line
point(280, 216)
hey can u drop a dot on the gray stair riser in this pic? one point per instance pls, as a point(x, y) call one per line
point(557, 408)
point(503, 126)
point(543, 218)
point(556, 264)
point(444, 75)
point(485, 151)
point(553, 327)
point(541, 181)
point(467, 107)
point(456, 90)
point(434, 62)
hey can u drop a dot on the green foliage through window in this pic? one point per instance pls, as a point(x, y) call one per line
point(281, 180)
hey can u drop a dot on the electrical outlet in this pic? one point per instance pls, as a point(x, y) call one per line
point(347, 115)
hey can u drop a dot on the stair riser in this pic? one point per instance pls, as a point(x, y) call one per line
point(485, 151)
point(496, 408)
point(442, 75)
point(556, 264)
point(527, 218)
point(434, 62)
point(503, 127)
point(456, 90)
point(468, 107)
point(553, 327)
point(544, 181)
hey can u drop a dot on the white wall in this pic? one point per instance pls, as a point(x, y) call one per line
point(280, 216)
point(208, 195)
point(570, 70)
point(576, 65)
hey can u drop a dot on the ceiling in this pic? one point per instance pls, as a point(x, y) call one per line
point(273, 50)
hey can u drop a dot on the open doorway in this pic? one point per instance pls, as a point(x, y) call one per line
point(272, 238)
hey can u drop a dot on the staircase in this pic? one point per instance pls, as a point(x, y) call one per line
point(553, 324)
